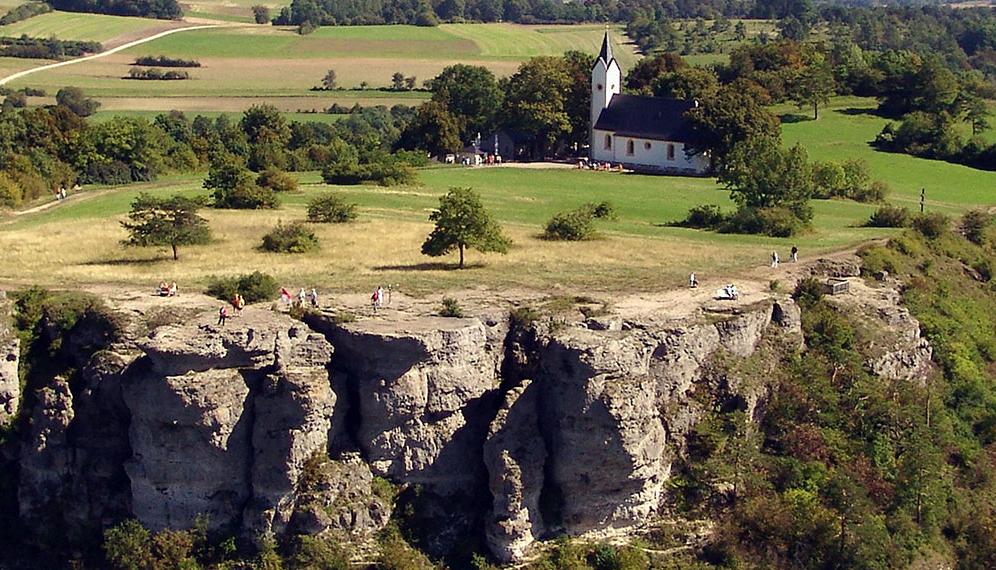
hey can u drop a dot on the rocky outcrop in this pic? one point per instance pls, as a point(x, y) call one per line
point(889, 335)
point(222, 426)
point(521, 430)
point(46, 455)
point(515, 456)
point(10, 388)
point(420, 395)
point(338, 497)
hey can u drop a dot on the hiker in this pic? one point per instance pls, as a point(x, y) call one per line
point(285, 296)
point(163, 289)
point(692, 281)
point(171, 292)
point(301, 297)
point(62, 193)
point(239, 304)
point(314, 298)
point(774, 259)
point(795, 254)
point(222, 315)
point(377, 299)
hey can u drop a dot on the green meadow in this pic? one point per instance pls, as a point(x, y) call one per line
point(74, 26)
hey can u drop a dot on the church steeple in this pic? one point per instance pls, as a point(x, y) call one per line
point(606, 52)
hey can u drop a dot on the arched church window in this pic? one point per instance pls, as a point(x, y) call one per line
point(670, 151)
point(608, 142)
point(629, 147)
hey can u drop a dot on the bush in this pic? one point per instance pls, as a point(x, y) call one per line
point(277, 180)
point(254, 287)
point(261, 14)
point(165, 61)
point(330, 208)
point(575, 225)
point(889, 217)
point(775, 222)
point(309, 552)
point(156, 74)
point(10, 192)
point(973, 224)
point(246, 195)
point(874, 193)
point(706, 216)
point(73, 99)
point(290, 238)
point(451, 308)
point(808, 292)
point(931, 226)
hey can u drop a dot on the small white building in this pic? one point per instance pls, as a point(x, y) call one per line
point(641, 133)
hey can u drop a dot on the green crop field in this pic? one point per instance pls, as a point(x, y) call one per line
point(104, 115)
point(267, 61)
point(73, 26)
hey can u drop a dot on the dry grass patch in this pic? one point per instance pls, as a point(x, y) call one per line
point(352, 257)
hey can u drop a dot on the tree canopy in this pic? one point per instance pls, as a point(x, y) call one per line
point(169, 222)
point(462, 222)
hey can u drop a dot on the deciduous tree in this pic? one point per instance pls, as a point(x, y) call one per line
point(166, 221)
point(462, 222)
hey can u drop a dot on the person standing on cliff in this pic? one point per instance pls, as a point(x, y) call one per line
point(222, 315)
point(774, 259)
point(795, 254)
point(314, 297)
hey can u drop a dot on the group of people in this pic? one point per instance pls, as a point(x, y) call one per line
point(302, 299)
point(794, 253)
point(167, 290)
point(380, 297)
point(237, 302)
point(60, 193)
point(584, 163)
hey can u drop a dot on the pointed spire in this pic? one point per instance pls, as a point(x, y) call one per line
point(606, 53)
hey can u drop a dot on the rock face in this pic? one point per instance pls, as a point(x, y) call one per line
point(222, 426)
point(520, 430)
point(891, 337)
point(10, 389)
point(515, 455)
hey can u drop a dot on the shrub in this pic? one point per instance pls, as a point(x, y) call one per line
point(575, 225)
point(602, 210)
point(775, 222)
point(808, 292)
point(277, 180)
point(889, 217)
point(156, 74)
point(165, 61)
point(931, 225)
point(254, 287)
point(261, 14)
point(706, 216)
point(309, 552)
point(10, 192)
point(973, 224)
point(245, 195)
point(290, 238)
point(451, 308)
point(876, 192)
point(128, 545)
point(330, 208)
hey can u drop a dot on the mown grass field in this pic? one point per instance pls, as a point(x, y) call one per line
point(846, 129)
point(73, 26)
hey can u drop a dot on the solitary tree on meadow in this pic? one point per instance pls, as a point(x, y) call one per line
point(462, 222)
point(814, 87)
point(166, 222)
point(330, 81)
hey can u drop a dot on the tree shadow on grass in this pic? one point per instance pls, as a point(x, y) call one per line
point(430, 266)
point(855, 111)
point(794, 118)
point(126, 262)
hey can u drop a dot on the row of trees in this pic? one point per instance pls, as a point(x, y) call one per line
point(45, 148)
point(162, 9)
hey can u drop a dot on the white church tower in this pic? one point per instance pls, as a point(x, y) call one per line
point(605, 82)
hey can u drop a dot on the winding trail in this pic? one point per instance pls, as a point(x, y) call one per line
point(122, 47)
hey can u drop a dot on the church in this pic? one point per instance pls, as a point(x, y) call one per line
point(641, 133)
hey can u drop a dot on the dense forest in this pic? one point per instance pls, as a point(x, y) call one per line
point(162, 9)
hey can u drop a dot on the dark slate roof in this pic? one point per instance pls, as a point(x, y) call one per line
point(606, 52)
point(647, 117)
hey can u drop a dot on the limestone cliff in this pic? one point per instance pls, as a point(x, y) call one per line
point(510, 428)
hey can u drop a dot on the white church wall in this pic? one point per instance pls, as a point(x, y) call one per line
point(646, 153)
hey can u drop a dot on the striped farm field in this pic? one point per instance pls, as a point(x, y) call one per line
point(83, 27)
